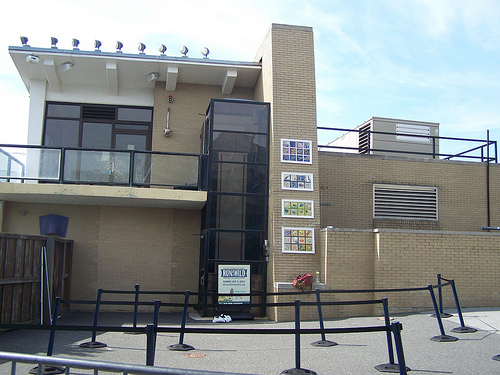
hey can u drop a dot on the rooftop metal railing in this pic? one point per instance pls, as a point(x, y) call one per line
point(479, 150)
point(68, 165)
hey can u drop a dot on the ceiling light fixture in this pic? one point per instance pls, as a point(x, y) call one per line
point(119, 46)
point(153, 76)
point(97, 45)
point(184, 50)
point(32, 59)
point(141, 47)
point(162, 48)
point(24, 41)
point(75, 43)
point(205, 51)
point(53, 42)
point(67, 66)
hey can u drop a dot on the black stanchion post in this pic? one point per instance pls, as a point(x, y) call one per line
point(442, 314)
point(136, 304)
point(181, 346)
point(323, 342)
point(297, 370)
point(93, 344)
point(396, 329)
point(150, 344)
point(443, 337)
point(44, 369)
point(463, 328)
point(391, 366)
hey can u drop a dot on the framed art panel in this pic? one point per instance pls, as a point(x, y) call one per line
point(296, 151)
point(298, 240)
point(303, 209)
point(296, 181)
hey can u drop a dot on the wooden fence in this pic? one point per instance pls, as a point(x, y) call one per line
point(33, 271)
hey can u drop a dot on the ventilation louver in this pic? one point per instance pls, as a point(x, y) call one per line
point(98, 112)
point(405, 202)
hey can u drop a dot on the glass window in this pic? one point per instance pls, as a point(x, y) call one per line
point(63, 110)
point(253, 145)
point(96, 135)
point(61, 133)
point(131, 127)
point(130, 142)
point(135, 114)
point(241, 117)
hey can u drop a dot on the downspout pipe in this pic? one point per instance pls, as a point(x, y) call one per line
point(490, 228)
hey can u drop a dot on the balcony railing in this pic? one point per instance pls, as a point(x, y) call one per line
point(477, 150)
point(100, 167)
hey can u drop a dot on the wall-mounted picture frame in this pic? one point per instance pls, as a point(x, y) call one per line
point(296, 151)
point(296, 181)
point(303, 209)
point(298, 240)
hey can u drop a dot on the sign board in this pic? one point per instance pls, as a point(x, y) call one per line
point(234, 279)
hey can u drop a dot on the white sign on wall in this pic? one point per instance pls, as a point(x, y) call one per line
point(233, 279)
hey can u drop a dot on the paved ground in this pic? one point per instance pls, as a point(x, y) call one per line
point(271, 354)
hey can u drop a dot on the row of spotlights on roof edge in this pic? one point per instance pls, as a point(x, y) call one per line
point(119, 45)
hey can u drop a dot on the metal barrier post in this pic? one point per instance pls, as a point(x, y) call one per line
point(323, 342)
point(443, 337)
point(391, 366)
point(136, 301)
point(93, 344)
point(463, 328)
point(396, 329)
point(297, 370)
point(150, 344)
point(181, 346)
point(440, 298)
point(43, 369)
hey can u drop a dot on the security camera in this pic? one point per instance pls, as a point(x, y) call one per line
point(32, 59)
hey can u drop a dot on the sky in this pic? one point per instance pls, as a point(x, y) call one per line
point(422, 60)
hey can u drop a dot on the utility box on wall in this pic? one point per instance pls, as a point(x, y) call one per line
point(53, 224)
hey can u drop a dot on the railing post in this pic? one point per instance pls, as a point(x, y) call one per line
point(444, 337)
point(440, 298)
point(391, 366)
point(53, 323)
point(463, 328)
point(396, 329)
point(93, 343)
point(131, 168)
point(61, 167)
point(323, 342)
point(297, 370)
point(181, 346)
point(136, 302)
point(150, 344)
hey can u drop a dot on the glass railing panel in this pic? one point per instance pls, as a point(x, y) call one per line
point(96, 167)
point(180, 171)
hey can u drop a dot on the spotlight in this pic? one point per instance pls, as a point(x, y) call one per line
point(53, 42)
point(152, 76)
point(32, 59)
point(205, 51)
point(162, 48)
point(119, 46)
point(184, 50)
point(97, 45)
point(75, 43)
point(24, 41)
point(141, 47)
point(67, 66)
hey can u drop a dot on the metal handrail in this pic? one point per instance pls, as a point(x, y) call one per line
point(434, 138)
point(97, 366)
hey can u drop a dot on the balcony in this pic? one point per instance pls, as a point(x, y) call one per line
point(41, 174)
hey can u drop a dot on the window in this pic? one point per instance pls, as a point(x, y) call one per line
point(405, 202)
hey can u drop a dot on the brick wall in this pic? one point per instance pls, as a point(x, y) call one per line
point(118, 247)
point(288, 83)
point(347, 191)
